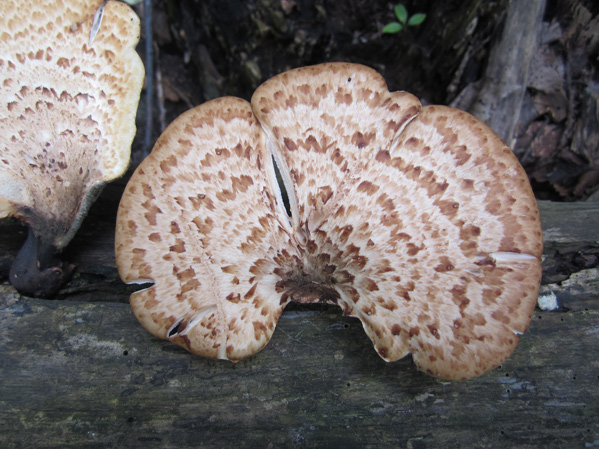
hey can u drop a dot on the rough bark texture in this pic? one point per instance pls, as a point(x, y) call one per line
point(557, 137)
point(501, 90)
point(82, 372)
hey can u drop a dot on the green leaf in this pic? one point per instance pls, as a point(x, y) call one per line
point(392, 27)
point(401, 12)
point(416, 19)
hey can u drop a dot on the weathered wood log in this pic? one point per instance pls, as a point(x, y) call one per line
point(87, 375)
point(505, 81)
point(82, 372)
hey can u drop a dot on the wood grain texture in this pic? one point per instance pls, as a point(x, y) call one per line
point(83, 373)
point(502, 90)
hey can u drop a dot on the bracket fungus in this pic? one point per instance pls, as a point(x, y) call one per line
point(418, 221)
point(67, 120)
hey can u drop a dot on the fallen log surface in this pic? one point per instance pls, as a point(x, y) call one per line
point(81, 372)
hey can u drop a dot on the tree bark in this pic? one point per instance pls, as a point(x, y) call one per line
point(498, 100)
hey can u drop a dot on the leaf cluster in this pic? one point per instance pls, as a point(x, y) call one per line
point(403, 20)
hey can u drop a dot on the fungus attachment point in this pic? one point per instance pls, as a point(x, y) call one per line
point(67, 120)
point(406, 217)
point(36, 271)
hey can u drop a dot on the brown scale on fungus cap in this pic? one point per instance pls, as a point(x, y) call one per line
point(67, 119)
point(416, 220)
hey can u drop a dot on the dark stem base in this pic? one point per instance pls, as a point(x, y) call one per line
point(36, 270)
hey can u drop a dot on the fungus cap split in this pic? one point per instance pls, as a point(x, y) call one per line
point(418, 221)
point(67, 115)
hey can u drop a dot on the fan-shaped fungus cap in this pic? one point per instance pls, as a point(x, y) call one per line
point(67, 120)
point(419, 221)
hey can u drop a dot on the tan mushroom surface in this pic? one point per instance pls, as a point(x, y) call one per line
point(418, 221)
point(67, 120)
point(200, 220)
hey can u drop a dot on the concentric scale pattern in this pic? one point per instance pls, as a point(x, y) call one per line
point(67, 107)
point(418, 221)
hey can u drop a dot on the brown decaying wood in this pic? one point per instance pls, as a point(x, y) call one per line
point(502, 90)
point(83, 373)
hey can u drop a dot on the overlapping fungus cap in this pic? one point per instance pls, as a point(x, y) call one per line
point(68, 99)
point(418, 221)
point(67, 107)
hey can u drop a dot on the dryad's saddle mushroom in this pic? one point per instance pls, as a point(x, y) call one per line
point(68, 98)
point(419, 221)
